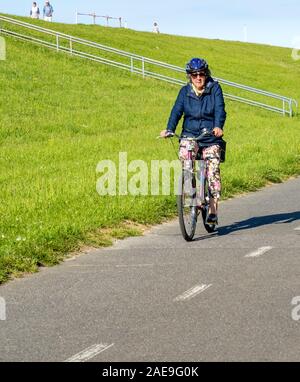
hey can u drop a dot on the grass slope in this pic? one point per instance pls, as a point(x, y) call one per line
point(61, 115)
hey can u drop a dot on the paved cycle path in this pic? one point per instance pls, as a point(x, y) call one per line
point(223, 297)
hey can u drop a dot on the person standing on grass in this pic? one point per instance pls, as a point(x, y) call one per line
point(155, 28)
point(48, 11)
point(201, 102)
point(35, 11)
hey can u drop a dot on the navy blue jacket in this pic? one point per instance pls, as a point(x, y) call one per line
point(205, 111)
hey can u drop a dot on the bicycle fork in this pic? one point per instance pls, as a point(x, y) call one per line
point(189, 175)
point(196, 176)
point(201, 179)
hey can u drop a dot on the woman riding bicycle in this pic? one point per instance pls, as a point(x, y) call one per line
point(202, 104)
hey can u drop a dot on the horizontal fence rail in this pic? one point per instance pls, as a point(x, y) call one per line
point(138, 64)
point(94, 16)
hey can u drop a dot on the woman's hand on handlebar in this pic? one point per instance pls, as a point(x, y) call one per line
point(218, 132)
point(166, 134)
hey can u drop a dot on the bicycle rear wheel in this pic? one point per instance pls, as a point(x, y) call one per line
point(186, 205)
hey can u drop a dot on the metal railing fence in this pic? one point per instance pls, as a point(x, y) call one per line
point(139, 64)
point(94, 16)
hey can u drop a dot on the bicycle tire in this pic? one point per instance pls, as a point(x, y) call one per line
point(187, 209)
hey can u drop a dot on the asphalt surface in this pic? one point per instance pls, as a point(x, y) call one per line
point(222, 297)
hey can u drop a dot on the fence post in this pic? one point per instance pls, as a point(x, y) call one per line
point(57, 42)
point(71, 45)
point(143, 67)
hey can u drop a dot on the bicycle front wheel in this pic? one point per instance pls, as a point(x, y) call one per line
point(186, 205)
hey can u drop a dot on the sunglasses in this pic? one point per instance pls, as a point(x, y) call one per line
point(196, 74)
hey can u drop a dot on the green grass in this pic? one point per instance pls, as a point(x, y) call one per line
point(61, 115)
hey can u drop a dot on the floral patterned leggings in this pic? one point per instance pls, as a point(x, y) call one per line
point(211, 155)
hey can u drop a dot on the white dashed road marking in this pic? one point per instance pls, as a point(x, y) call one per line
point(189, 294)
point(134, 265)
point(89, 353)
point(297, 229)
point(260, 251)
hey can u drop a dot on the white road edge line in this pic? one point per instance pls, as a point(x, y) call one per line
point(260, 251)
point(194, 291)
point(297, 229)
point(89, 353)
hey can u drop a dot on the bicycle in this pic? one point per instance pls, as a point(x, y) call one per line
point(193, 199)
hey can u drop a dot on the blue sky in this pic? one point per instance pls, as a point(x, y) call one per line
point(275, 22)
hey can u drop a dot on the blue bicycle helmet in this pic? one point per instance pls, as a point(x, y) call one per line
point(195, 65)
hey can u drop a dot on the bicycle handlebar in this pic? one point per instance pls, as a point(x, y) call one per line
point(205, 132)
